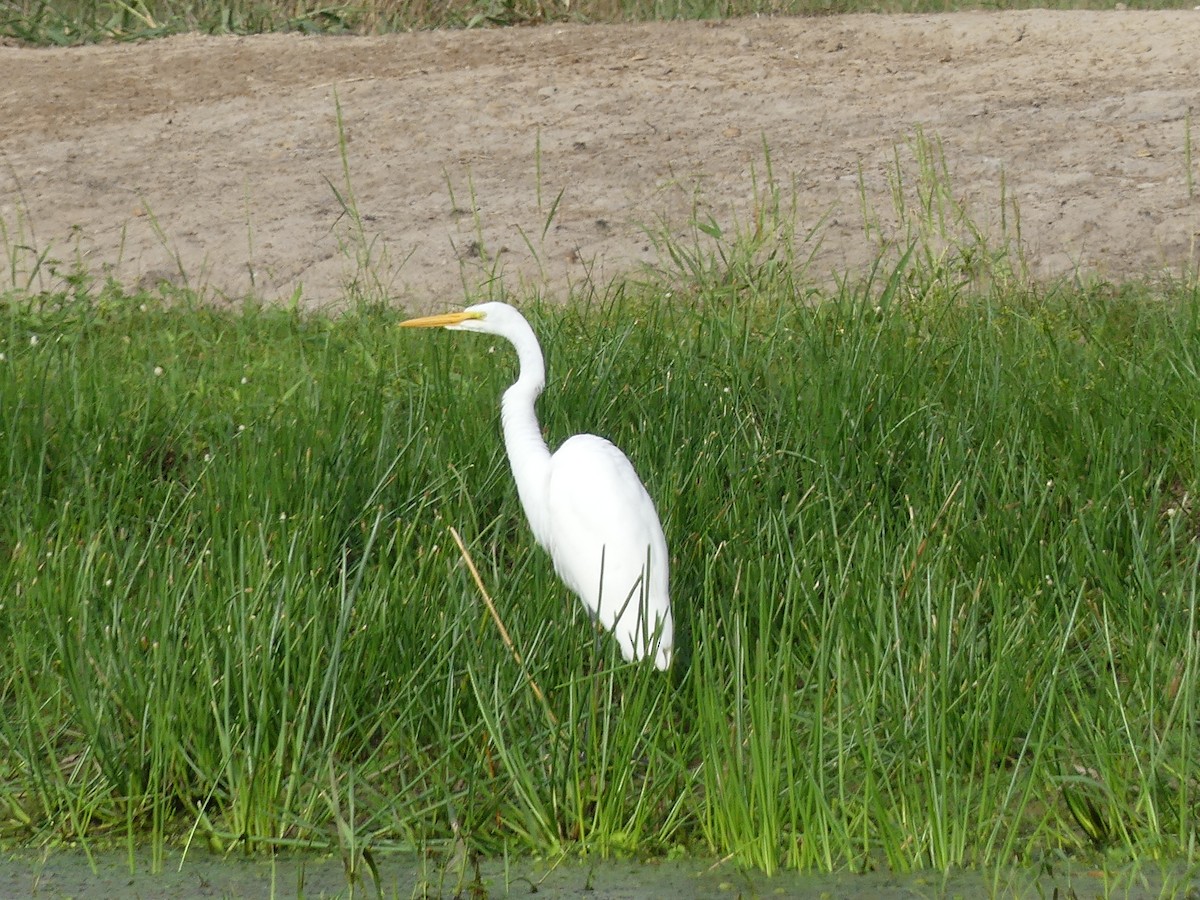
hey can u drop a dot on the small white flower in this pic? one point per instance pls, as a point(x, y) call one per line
point(208, 457)
point(33, 340)
point(245, 380)
point(108, 582)
point(158, 370)
point(1050, 483)
point(3, 358)
point(283, 517)
point(241, 428)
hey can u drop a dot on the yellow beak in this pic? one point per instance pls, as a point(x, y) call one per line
point(441, 320)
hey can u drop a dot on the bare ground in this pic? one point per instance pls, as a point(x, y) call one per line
point(543, 154)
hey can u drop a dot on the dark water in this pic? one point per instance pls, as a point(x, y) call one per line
point(115, 876)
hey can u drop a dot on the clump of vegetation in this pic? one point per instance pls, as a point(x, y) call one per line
point(934, 547)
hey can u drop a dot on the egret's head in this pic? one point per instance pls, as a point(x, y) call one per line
point(490, 318)
point(456, 321)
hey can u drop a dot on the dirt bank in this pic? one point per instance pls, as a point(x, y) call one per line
point(220, 157)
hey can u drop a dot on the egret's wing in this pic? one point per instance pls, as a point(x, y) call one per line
point(607, 542)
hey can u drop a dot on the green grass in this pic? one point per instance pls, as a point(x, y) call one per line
point(64, 22)
point(934, 545)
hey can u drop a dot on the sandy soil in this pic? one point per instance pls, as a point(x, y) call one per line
point(219, 157)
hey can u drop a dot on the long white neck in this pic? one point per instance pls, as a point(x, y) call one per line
point(528, 455)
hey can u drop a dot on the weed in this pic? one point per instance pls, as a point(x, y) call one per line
point(934, 605)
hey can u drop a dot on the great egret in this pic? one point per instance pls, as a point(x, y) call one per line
point(585, 503)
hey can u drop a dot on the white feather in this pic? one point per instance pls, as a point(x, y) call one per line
point(608, 546)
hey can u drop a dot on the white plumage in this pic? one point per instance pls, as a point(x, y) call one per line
point(585, 503)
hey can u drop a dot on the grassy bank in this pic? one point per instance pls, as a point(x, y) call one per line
point(934, 569)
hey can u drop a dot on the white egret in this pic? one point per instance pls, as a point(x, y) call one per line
point(585, 504)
